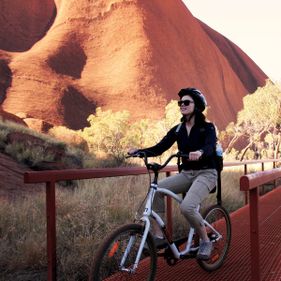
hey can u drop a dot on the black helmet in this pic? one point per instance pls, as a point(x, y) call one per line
point(197, 96)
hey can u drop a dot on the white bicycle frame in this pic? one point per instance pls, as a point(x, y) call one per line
point(148, 212)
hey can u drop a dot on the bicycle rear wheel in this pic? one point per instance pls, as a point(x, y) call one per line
point(218, 217)
point(109, 256)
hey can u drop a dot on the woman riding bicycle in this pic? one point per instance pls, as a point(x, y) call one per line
point(198, 175)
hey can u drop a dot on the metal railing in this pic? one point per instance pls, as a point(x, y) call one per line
point(51, 177)
point(251, 183)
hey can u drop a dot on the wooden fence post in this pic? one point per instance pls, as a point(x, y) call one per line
point(51, 230)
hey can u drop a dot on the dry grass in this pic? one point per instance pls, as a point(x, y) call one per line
point(85, 214)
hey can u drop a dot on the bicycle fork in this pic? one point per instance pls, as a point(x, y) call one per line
point(140, 249)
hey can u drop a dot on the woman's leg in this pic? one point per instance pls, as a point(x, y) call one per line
point(203, 182)
point(177, 183)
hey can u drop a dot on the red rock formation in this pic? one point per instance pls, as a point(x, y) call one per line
point(23, 23)
point(118, 54)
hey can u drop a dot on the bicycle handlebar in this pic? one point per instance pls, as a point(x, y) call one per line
point(155, 166)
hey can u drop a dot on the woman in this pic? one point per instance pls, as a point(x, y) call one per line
point(198, 175)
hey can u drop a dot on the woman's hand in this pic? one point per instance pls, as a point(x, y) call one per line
point(195, 155)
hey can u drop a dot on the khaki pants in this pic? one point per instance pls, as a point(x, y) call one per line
point(196, 183)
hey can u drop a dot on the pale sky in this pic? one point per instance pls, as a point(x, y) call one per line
point(253, 25)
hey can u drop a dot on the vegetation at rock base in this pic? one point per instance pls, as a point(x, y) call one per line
point(105, 142)
point(255, 134)
point(112, 133)
point(37, 150)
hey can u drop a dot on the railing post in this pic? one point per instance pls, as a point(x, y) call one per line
point(263, 189)
point(274, 166)
point(51, 230)
point(254, 234)
point(245, 169)
point(169, 211)
point(246, 192)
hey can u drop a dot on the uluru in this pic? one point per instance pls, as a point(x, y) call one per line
point(61, 59)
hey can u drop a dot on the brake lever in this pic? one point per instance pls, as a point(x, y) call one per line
point(139, 154)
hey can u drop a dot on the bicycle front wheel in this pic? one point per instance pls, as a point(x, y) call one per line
point(116, 257)
point(219, 219)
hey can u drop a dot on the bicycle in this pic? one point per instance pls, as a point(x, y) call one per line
point(130, 251)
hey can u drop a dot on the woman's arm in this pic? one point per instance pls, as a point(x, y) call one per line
point(210, 140)
point(160, 147)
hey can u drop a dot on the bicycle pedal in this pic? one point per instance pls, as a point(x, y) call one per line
point(190, 255)
point(180, 241)
point(161, 245)
point(213, 236)
point(159, 242)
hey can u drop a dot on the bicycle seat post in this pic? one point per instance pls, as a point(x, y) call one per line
point(219, 200)
point(155, 180)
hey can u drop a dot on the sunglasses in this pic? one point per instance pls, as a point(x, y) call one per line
point(184, 102)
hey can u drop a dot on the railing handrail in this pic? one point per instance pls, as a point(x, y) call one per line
point(245, 162)
point(77, 174)
point(251, 181)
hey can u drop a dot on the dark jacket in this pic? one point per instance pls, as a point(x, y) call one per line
point(202, 136)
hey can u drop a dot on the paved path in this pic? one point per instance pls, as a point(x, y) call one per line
point(237, 265)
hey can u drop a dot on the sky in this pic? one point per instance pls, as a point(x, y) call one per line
point(253, 25)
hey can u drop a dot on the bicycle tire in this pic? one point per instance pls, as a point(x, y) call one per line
point(107, 259)
point(218, 217)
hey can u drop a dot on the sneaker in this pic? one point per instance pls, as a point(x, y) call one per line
point(205, 250)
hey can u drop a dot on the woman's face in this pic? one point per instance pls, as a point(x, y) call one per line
point(186, 105)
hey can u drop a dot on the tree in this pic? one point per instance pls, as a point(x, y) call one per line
point(260, 116)
point(113, 133)
point(107, 133)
